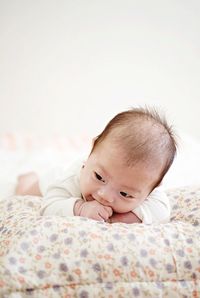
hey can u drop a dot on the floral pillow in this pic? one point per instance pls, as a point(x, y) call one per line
point(185, 204)
point(78, 257)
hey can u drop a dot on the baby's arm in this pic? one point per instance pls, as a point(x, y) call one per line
point(59, 199)
point(63, 198)
point(155, 209)
point(128, 217)
point(76, 206)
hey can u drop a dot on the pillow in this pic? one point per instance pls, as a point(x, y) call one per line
point(185, 203)
point(78, 257)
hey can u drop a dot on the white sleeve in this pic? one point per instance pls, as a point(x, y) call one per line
point(155, 209)
point(58, 206)
point(59, 196)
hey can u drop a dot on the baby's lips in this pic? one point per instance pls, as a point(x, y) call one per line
point(89, 198)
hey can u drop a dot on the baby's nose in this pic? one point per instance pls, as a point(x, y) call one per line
point(106, 195)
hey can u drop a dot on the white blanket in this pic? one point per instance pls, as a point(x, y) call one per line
point(19, 154)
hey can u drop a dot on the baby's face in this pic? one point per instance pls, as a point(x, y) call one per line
point(107, 179)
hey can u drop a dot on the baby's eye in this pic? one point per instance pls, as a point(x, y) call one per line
point(126, 195)
point(98, 177)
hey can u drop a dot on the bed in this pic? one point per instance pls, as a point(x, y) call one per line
point(79, 257)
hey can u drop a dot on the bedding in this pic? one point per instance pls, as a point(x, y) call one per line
point(78, 257)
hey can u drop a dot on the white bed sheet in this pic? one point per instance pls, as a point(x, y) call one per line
point(184, 171)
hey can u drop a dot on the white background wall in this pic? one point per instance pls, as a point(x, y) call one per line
point(68, 66)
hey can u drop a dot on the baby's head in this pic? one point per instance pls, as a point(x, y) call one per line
point(128, 159)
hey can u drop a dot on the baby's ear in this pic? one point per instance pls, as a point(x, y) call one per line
point(93, 141)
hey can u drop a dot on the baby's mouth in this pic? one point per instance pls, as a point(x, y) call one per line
point(88, 198)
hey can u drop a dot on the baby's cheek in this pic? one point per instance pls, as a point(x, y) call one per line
point(121, 207)
point(130, 205)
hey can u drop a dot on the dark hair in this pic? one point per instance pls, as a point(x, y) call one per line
point(144, 134)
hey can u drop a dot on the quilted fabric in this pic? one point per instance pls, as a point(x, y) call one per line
point(79, 257)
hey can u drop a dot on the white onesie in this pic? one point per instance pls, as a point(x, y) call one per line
point(61, 188)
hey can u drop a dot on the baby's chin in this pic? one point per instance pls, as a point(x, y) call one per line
point(122, 210)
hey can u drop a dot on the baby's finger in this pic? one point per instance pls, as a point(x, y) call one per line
point(109, 210)
point(104, 214)
point(99, 217)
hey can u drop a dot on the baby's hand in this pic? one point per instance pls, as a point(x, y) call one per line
point(93, 210)
point(128, 218)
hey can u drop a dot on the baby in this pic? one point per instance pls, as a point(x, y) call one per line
point(120, 179)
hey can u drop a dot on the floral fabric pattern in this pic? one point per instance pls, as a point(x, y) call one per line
point(78, 257)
